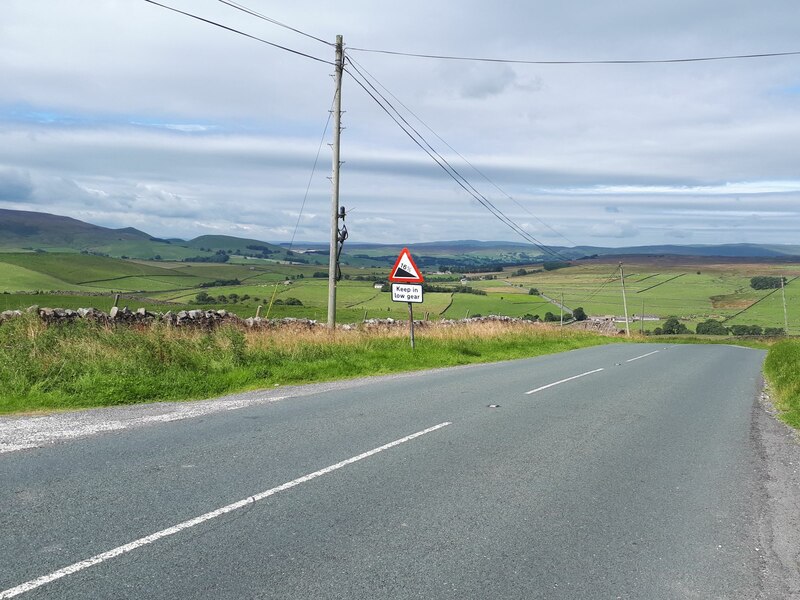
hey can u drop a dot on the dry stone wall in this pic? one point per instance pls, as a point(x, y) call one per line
point(209, 319)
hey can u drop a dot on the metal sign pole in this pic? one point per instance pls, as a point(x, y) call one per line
point(411, 323)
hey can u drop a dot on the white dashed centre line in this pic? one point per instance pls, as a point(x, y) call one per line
point(549, 385)
point(643, 355)
point(119, 550)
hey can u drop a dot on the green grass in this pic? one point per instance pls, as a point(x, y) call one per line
point(514, 305)
point(782, 369)
point(105, 302)
point(80, 269)
point(666, 288)
point(15, 278)
point(82, 364)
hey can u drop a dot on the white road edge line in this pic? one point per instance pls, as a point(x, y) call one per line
point(549, 385)
point(643, 355)
point(99, 558)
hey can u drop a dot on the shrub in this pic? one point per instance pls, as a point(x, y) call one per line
point(766, 283)
point(711, 327)
point(672, 326)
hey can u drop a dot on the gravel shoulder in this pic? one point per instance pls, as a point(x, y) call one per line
point(779, 447)
point(23, 432)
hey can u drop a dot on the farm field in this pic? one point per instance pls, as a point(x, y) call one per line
point(693, 289)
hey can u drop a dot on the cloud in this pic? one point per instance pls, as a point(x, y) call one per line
point(617, 229)
point(481, 81)
point(680, 234)
point(167, 129)
point(15, 185)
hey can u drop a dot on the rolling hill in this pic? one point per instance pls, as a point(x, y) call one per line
point(31, 231)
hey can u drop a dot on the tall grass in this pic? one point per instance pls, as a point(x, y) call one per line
point(84, 364)
point(782, 369)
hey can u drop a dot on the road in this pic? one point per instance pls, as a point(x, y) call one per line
point(622, 471)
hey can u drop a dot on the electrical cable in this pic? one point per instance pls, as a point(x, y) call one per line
point(247, 35)
point(608, 280)
point(258, 15)
point(474, 168)
point(579, 62)
point(305, 198)
point(444, 164)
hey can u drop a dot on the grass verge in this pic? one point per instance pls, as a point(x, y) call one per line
point(782, 369)
point(82, 364)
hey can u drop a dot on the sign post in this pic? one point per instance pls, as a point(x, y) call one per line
point(407, 286)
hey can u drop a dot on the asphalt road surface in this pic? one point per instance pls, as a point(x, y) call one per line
point(623, 471)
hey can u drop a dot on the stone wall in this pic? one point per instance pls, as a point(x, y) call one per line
point(208, 319)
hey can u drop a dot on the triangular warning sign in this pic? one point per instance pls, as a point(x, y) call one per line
point(404, 269)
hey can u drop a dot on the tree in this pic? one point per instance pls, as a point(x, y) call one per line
point(672, 326)
point(579, 314)
point(746, 330)
point(711, 327)
point(766, 283)
point(533, 292)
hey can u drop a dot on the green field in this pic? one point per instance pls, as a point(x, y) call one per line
point(657, 287)
point(694, 292)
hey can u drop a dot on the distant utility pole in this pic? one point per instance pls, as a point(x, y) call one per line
point(641, 319)
point(785, 315)
point(624, 301)
point(337, 130)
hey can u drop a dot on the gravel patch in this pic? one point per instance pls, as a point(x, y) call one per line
point(779, 446)
point(25, 432)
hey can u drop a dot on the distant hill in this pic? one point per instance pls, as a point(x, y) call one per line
point(23, 228)
point(44, 232)
point(229, 242)
point(722, 250)
point(31, 231)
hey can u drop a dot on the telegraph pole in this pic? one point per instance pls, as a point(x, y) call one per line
point(337, 130)
point(641, 319)
point(785, 316)
point(624, 301)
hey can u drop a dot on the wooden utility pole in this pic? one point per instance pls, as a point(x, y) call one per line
point(785, 315)
point(641, 319)
point(624, 301)
point(337, 130)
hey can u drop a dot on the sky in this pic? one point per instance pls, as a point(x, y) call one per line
point(124, 114)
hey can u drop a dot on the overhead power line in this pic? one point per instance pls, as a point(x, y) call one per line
point(474, 168)
point(579, 62)
point(303, 204)
point(253, 13)
point(237, 31)
point(443, 163)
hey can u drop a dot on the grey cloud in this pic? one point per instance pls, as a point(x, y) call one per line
point(481, 81)
point(680, 234)
point(615, 229)
point(15, 185)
